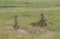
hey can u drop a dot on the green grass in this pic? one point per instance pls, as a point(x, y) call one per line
point(26, 16)
point(41, 3)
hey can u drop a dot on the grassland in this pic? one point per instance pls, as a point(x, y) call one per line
point(41, 3)
point(27, 15)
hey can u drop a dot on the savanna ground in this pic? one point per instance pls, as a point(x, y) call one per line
point(29, 13)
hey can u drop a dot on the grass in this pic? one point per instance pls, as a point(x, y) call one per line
point(40, 3)
point(27, 15)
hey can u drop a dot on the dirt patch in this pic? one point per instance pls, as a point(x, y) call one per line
point(47, 33)
point(19, 31)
